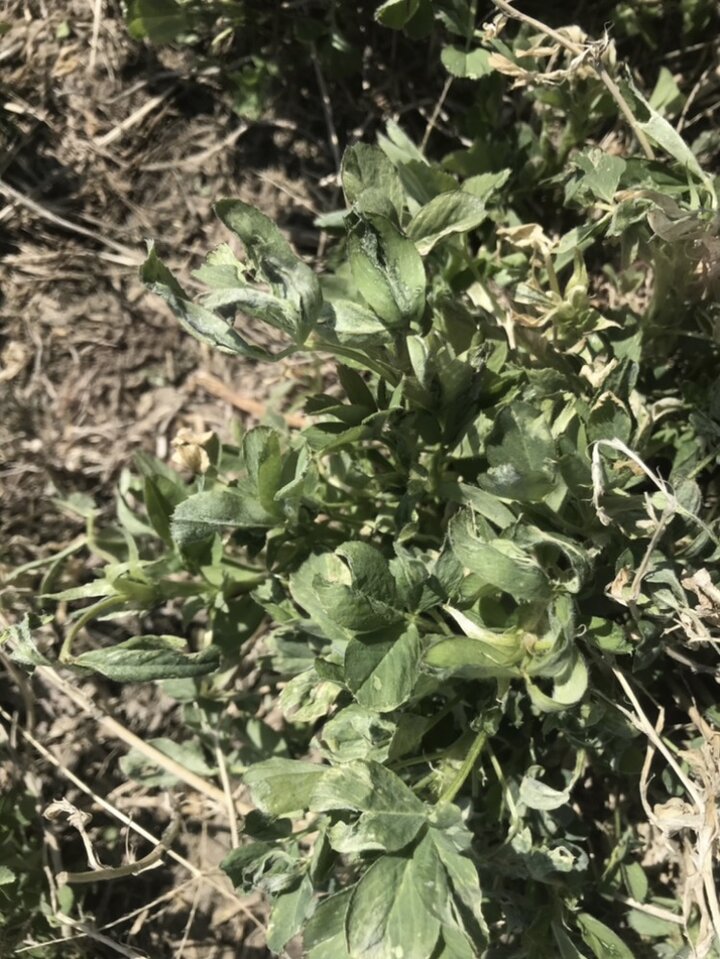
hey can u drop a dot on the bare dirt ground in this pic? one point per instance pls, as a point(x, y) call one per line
point(104, 143)
point(108, 143)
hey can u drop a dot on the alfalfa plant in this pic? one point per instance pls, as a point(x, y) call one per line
point(484, 562)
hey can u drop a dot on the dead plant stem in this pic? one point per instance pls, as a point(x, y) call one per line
point(126, 820)
point(578, 51)
point(116, 729)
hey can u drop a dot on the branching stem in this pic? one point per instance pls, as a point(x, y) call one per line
point(578, 51)
point(97, 609)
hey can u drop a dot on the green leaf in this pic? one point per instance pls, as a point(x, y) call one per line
point(200, 322)
point(289, 911)
point(264, 464)
point(324, 567)
point(143, 659)
point(463, 877)
point(381, 668)
point(366, 167)
point(568, 949)
point(444, 215)
point(666, 96)
point(7, 876)
point(357, 733)
point(422, 181)
point(356, 389)
point(23, 648)
point(498, 562)
point(602, 172)
point(263, 865)
point(471, 64)
point(482, 502)
point(161, 21)
point(521, 453)
point(391, 815)
point(159, 510)
point(651, 926)
point(221, 269)
point(538, 795)
point(566, 563)
point(483, 185)
point(567, 690)
point(369, 570)
point(281, 786)
point(220, 511)
point(357, 594)
point(275, 263)
point(354, 325)
point(481, 653)
point(324, 934)
point(387, 269)
point(396, 13)
point(604, 943)
point(352, 610)
point(609, 419)
point(657, 128)
point(387, 917)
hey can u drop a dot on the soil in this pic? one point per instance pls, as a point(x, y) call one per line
point(105, 143)
point(97, 158)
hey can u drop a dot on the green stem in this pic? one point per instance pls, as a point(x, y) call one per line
point(110, 602)
point(467, 767)
point(443, 626)
point(375, 366)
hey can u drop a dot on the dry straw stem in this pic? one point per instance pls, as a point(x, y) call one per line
point(126, 820)
point(198, 159)
point(116, 729)
point(240, 401)
point(135, 117)
point(97, 16)
point(123, 255)
point(327, 110)
point(584, 51)
point(96, 933)
point(98, 872)
point(86, 930)
point(699, 885)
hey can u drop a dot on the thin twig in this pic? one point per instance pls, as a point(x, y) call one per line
point(692, 664)
point(126, 820)
point(135, 117)
point(578, 51)
point(642, 569)
point(239, 400)
point(128, 256)
point(327, 110)
point(97, 15)
point(93, 934)
point(171, 894)
point(116, 729)
point(430, 126)
point(196, 159)
point(225, 780)
point(107, 873)
point(647, 907)
point(188, 925)
point(641, 722)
